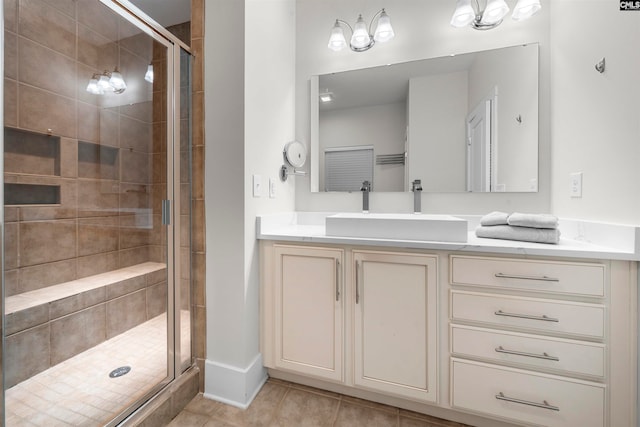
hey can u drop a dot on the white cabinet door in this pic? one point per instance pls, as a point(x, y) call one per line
point(395, 323)
point(309, 311)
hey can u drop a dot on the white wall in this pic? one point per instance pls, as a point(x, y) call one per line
point(249, 117)
point(516, 142)
point(422, 31)
point(596, 117)
point(382, 126)
point(437, 149)
point(595, 126)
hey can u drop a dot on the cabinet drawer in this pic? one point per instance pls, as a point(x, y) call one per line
point(530, 351)
point(538, 276)
point(531, 313)
point(526, 397)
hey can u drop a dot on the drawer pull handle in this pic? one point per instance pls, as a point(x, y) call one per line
point(337, 280)
point(544, 317)
point(522, 353)
point(543, 405)
point(516, 276)
point(357, 282)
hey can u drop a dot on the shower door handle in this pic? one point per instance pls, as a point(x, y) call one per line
point(166, 212)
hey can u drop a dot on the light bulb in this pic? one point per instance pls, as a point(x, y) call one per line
point(463, 15)
point(103, 82)
point(148, 76)
point(117, 82)
point(525, 9)
point(337, 41)
point(360, 38)
point(93, 86)
point(494, 12)
point(384, 30)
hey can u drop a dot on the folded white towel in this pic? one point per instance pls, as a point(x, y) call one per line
point(524, 234)
point(495, 218)
point(533, 220)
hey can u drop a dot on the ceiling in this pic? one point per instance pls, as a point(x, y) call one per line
point(353, 88)
point(166, 12)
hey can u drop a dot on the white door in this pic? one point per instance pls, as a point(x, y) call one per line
point(395, 324)
point(479, 148)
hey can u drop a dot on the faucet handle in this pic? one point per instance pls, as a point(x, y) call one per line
point(416, 185)
point(366, 186)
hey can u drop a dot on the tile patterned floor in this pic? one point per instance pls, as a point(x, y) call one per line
point(284, 404)
point(78, 392)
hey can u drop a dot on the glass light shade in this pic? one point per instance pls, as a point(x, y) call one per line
point(117, 82)
point(103, 82)
point(93, 86)
point(326, 97)
point(384, 30)
point(337, 41)
point(494, 12)
point(463, 15)
point(148, 76)
point(360, 37)
point(525, 9)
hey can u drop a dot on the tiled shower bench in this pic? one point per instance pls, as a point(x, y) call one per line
point(50, 325)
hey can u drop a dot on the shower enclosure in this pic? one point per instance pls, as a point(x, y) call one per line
point(96, 219)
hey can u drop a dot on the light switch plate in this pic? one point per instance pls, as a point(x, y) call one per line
point(257, 185)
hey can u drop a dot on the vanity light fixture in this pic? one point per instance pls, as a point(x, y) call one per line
point(361, 37)
point(492, 14)
point(99, 84)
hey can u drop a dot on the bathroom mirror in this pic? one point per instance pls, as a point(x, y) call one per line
point(459, 123)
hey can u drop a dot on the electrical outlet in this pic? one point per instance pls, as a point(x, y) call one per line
point(257, 185)
point(575, 184)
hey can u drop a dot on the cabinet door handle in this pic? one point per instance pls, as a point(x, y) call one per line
point(517, 276)
point(544, 317)
point(357, 282)
point(543, 405)
point(337, 280)
point(544, 356)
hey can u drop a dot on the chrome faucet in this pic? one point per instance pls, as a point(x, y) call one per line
point(366, 188)
point(416, 187)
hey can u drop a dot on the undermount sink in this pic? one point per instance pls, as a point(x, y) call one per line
point(442, 228)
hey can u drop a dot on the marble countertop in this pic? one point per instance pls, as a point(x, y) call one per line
point(579, 239)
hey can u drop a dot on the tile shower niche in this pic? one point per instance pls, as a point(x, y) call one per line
point(30, 153)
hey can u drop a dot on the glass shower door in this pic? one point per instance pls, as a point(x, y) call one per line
point(88, 327)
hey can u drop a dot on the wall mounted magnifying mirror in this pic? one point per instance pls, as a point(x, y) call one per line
point(459, 123)
point(295, 156)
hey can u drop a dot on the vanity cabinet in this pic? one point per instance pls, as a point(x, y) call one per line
point(308, 312)
point(529, 340)
point(395, 323)
point(389, 299)
point(479, 338)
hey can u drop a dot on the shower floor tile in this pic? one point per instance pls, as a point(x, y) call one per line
point(79, 391)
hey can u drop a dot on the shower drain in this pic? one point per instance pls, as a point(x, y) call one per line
point(118, 372)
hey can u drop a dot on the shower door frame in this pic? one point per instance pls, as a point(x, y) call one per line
point(139, 19)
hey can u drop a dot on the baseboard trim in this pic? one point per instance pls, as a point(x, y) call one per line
point(232, 385)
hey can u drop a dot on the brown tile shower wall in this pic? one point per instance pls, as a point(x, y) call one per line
point(112, 150)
